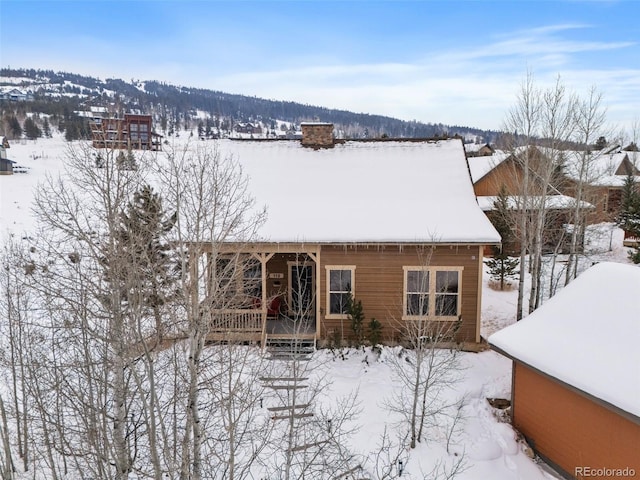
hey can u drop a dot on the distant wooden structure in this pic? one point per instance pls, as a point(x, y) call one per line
point(131, 132)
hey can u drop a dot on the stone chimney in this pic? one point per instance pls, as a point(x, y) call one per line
point(317, 135)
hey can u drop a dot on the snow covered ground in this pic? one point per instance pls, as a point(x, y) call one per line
point(490, 446)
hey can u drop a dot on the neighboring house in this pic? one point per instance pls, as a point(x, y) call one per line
point(6, 165)
point(576, 374)
point(386, 222)
point(604, 175)
point(478, 149)
point(494, 173)
point(132, 132)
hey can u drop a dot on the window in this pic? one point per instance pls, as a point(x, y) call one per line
point(417, 292)
point(252, 280)
point(239, 282)
point(340, 290)
point(432, 292)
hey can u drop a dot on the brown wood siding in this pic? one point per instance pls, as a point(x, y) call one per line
point(508, 173)
point(569, 429)
point(379, 278)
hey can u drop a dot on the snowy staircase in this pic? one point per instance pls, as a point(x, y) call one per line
point(289, 348)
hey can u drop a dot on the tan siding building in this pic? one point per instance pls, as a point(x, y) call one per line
point(393, 224)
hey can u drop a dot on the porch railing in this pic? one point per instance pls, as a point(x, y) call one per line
point(240, 320)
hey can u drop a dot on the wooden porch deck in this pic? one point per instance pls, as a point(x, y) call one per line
point(253, 325)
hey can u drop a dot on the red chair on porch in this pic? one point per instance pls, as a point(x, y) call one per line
point(274, 307)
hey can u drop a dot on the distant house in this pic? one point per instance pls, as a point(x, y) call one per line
point(132, 132)
point(478, 149)
point(385, 222)
point(247, 127)
point(605, 176)
point(15, 95)
point(576, 373)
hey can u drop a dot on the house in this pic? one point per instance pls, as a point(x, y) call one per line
point(15, 95)
point(6, 165)
point(478, 150)
point(131, 132)
point(385, 222)
point(248, 128)
point(604, 175)
point(504, 172)
point(576, 373)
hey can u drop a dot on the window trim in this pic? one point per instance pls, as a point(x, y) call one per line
point(328, 269)
point(432, 292)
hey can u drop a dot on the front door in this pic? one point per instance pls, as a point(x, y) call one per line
point(301, 290)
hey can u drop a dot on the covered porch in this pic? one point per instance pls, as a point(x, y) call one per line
point(261, 294)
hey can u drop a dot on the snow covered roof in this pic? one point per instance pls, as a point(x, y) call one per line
point(586, 336)
point(599, 168)
point(487, 203)
point(480, 166)
point(388, 191)
point(355, 192)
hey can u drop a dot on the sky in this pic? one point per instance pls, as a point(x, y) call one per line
point(451, 62)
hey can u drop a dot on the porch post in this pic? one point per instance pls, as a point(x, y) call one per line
point(316, 257)
point(264, 258)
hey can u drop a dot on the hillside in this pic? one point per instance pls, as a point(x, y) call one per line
point(176, 108)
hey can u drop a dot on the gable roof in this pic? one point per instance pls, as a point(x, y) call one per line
point(586, 336)
point(600, 169)
point(481, 166)
point(364, 192)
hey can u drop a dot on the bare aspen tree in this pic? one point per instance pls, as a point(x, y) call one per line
point(425, 369)
point(428, 363)
point(545, 122)
point(14, 306)
point(589, 119)
point(210, 194)
point(101, 282)
point(556, 129)
point(522, 120)
point(6, 460)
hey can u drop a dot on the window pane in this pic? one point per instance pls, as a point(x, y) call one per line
point(338, 303)
point(447, 282)
point(418, 281)
point(340, 280)
point(417, 304)
point(446, 305)
point(253, 280)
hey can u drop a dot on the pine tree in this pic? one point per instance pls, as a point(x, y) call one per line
point(46, 128)
point(502, 268)
point(31, 130)
point(356, 314)
point(629, 217)
point(70, 132)
point(14, 127)
point(142, 246)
